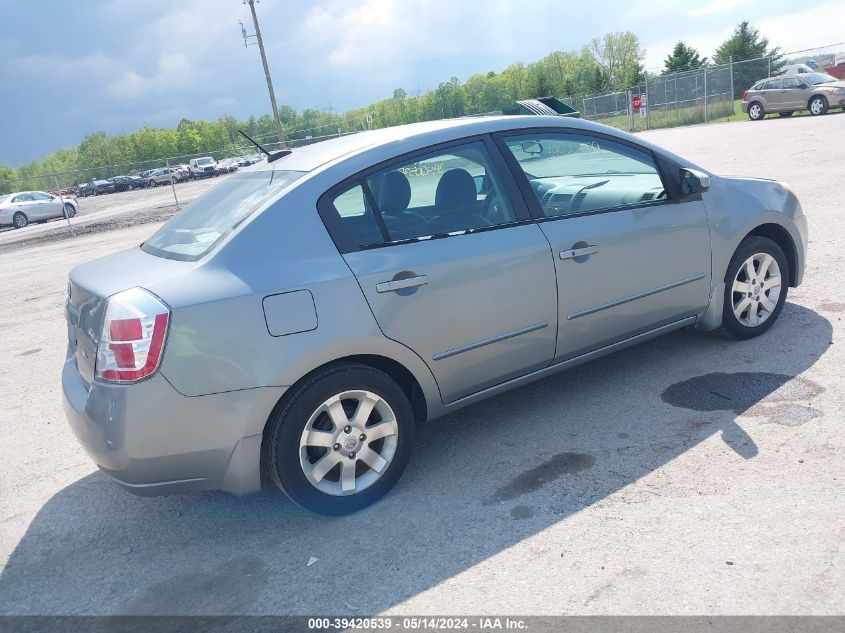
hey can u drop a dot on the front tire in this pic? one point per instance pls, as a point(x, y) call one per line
point(756, 112)
point(70, 210)
point(817, 105)
point(19, 220)
point(756, 284)
point(340, 440)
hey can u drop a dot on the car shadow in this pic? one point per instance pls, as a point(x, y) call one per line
point(481, 481)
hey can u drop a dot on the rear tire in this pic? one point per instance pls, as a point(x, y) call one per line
point(817, 105)
point(755, 111)
point(311, 425)
point(756, 284)
point(19, 220)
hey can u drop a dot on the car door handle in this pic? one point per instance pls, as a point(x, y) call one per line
point(579, 252)
point(399, 284)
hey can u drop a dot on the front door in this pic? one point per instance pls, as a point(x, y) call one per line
point(796, 93)
point(453, 270)
point(628, 258)
point(48, 206)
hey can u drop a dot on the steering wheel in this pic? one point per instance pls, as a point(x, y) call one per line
point(576, 200)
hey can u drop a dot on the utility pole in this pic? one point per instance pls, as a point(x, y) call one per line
point(257, 36)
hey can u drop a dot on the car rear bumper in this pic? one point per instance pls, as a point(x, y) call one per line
point(152, 440)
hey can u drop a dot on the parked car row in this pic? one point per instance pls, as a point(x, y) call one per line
point(787, 94)
point(204, 167)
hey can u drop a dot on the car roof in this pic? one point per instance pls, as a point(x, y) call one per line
point(417, 135)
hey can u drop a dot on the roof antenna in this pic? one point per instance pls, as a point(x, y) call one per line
point(271, 156)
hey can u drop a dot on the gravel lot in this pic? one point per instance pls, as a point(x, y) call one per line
point(690, 475)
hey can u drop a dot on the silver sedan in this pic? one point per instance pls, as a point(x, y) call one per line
point(297, 322)
point(21, 208)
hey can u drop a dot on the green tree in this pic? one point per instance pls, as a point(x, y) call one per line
point(746, 43)
point(683, 58)
point(620, 57)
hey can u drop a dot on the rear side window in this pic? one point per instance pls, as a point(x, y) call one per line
point(196, 229)
point(436, 194)
point(357, 217)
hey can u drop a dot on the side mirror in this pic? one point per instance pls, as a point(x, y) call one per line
point(694, 181)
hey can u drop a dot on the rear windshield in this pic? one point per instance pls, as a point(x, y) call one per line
point(196, 229)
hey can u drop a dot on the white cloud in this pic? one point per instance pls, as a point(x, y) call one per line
point(793, 31)
point(716, 6)
point(808, 28)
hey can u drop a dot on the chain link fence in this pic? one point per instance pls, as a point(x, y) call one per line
point(711, 93)
point(698, 96)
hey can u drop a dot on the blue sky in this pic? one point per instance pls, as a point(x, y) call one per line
point(69, 68)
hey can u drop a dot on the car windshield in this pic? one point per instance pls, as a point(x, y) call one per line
point(195, 230)
point(818, 78)
point(205, 161)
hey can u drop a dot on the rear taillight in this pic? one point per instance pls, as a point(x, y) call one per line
point(745, 96)
point(132, 339)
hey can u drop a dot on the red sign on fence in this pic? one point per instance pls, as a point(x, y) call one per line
point(635, 102)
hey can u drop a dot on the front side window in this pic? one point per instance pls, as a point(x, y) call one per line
point(792, 83)
point(37, 195)
point(574, 173)
point(196, 229)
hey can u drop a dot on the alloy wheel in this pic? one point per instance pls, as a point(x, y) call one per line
point(817, 106)
point(348, 442)
point(756, 289)
point(755, 111)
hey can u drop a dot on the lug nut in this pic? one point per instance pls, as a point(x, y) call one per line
point(351, 455)
point(337, 447)
point(362, 437)
point(347, 428)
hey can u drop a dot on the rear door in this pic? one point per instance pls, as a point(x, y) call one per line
point(628, 257)
point(25, 203)
point(455, 271)
point(774, 95)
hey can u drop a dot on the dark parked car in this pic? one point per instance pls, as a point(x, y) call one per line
point(96, 187)
point(128, 183)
